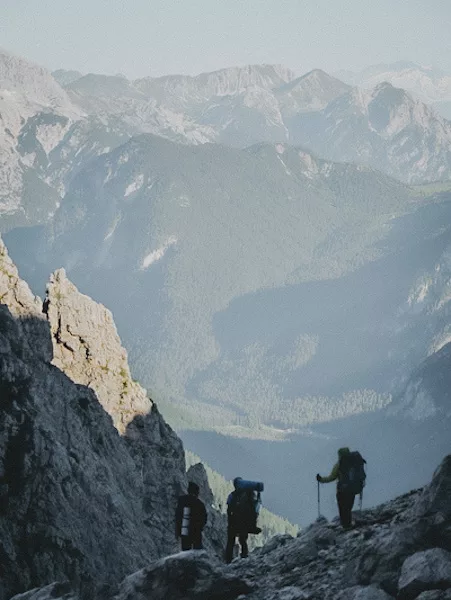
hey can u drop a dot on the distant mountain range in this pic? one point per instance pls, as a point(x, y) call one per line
point(49, 132)
point(428, 84)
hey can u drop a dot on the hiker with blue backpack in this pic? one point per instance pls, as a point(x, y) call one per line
point(243, 506)
point(349, 472)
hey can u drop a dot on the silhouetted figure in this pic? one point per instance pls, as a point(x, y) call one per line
point(350, 476)
point(242, 512)
point(190, 518)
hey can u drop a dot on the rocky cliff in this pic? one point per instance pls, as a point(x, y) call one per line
point(87, 348)
point(78, 501)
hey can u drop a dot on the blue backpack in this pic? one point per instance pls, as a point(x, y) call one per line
point(352, 473)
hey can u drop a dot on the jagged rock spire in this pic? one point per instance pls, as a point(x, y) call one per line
point(87, 348)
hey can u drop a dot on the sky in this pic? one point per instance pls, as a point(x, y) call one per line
point(157, 37)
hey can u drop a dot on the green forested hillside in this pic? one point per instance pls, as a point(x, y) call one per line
point(251, 287)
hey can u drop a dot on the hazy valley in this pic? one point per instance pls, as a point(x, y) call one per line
point(272, 271)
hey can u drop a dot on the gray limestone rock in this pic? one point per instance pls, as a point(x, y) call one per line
point(364, 593)
point(87, 348)
point(184, 575)
point(435, 595)
point(428, 570)
point(54, 591)
point(289, 593)
point(435, 497)
point(31, 333)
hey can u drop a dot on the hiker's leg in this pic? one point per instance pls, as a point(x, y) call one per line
point(230, 545)
point(243, 542)
point(347, 502)
point(350, 506)
point(341, 507)
point(186, 542)
point(197, 540)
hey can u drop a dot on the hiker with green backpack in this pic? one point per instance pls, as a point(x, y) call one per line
point(349, 472)
point(243, 505)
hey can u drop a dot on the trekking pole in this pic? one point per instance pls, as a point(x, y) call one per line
point(319, 502)
point(361, 501)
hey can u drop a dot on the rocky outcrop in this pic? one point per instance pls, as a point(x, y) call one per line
point(435, 499)
point(87, 348)
point(185, 575)
point(78, 501)
point(16, 295)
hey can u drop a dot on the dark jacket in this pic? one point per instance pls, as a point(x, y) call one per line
point(195, 517)
point(240, 519)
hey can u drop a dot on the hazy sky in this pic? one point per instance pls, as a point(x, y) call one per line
point(154, 37)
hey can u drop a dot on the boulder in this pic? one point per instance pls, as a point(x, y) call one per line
point(181, 576)
point(427, 570)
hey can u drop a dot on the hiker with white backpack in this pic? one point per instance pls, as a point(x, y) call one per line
point(190, 518)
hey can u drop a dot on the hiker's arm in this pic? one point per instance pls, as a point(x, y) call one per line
point(332, 477)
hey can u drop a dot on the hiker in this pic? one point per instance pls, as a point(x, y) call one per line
point(350, 476)
point(190, 518)
point(243, 505)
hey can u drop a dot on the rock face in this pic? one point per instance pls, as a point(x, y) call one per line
point(87, 348)
point(35, 113)
point(384, 128)
point(426, 393)
point(434, 502)
point(16, 295)
point(78, 501)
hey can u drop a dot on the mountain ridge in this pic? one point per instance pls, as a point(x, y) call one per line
point(44, 127)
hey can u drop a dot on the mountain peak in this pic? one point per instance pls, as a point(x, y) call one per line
point(310, 92)
point(32, 82)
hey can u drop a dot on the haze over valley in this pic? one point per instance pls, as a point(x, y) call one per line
point(275, 248)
